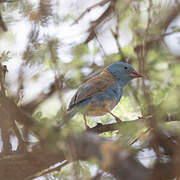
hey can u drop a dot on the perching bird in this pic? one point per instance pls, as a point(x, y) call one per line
point(101, 93)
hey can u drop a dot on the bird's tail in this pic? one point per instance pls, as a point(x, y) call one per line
point(67, 117)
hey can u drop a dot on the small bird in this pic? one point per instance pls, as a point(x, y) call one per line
point(101, 93)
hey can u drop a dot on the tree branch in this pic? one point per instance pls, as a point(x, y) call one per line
point(95, 23)
point(2, 23)
point(15, 112)
point(101, 3)
point(112, 158)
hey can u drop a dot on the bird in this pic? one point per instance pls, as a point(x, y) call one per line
point(101, 93)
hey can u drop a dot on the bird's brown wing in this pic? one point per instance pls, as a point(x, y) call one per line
point(92, 87)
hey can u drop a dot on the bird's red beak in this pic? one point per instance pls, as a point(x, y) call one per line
point(135, 74)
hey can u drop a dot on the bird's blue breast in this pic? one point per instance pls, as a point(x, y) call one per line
point(113, 93)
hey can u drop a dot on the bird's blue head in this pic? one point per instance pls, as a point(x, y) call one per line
point(123, 72)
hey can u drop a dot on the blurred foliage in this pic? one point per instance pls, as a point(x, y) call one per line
point(67, 65)
point(5, 56)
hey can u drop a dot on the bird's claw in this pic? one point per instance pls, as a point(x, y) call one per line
point(118, 119)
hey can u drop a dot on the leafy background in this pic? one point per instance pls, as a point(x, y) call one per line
point(51, 46)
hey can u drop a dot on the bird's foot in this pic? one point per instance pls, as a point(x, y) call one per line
point(118, 119)
point(115, 117)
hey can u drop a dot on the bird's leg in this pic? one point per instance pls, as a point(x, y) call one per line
point(115, 117)
point(85, 121)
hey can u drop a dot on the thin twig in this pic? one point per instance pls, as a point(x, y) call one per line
point(58, 78)
point(144, 48)
point(152, 41)
point(2, 78)
point(102, 3)
point(136, 139)
point(47, 171)
point(21, 145)
point(3, 70)
point(100, 45)
point(101, 128)
point(116, 36)
point(2, 23)
point(98, 21)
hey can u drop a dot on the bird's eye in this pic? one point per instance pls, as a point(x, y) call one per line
point(126, 67)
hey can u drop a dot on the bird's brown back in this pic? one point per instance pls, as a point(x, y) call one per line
point(92, 87)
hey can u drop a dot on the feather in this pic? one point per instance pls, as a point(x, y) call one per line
point(92, 87)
